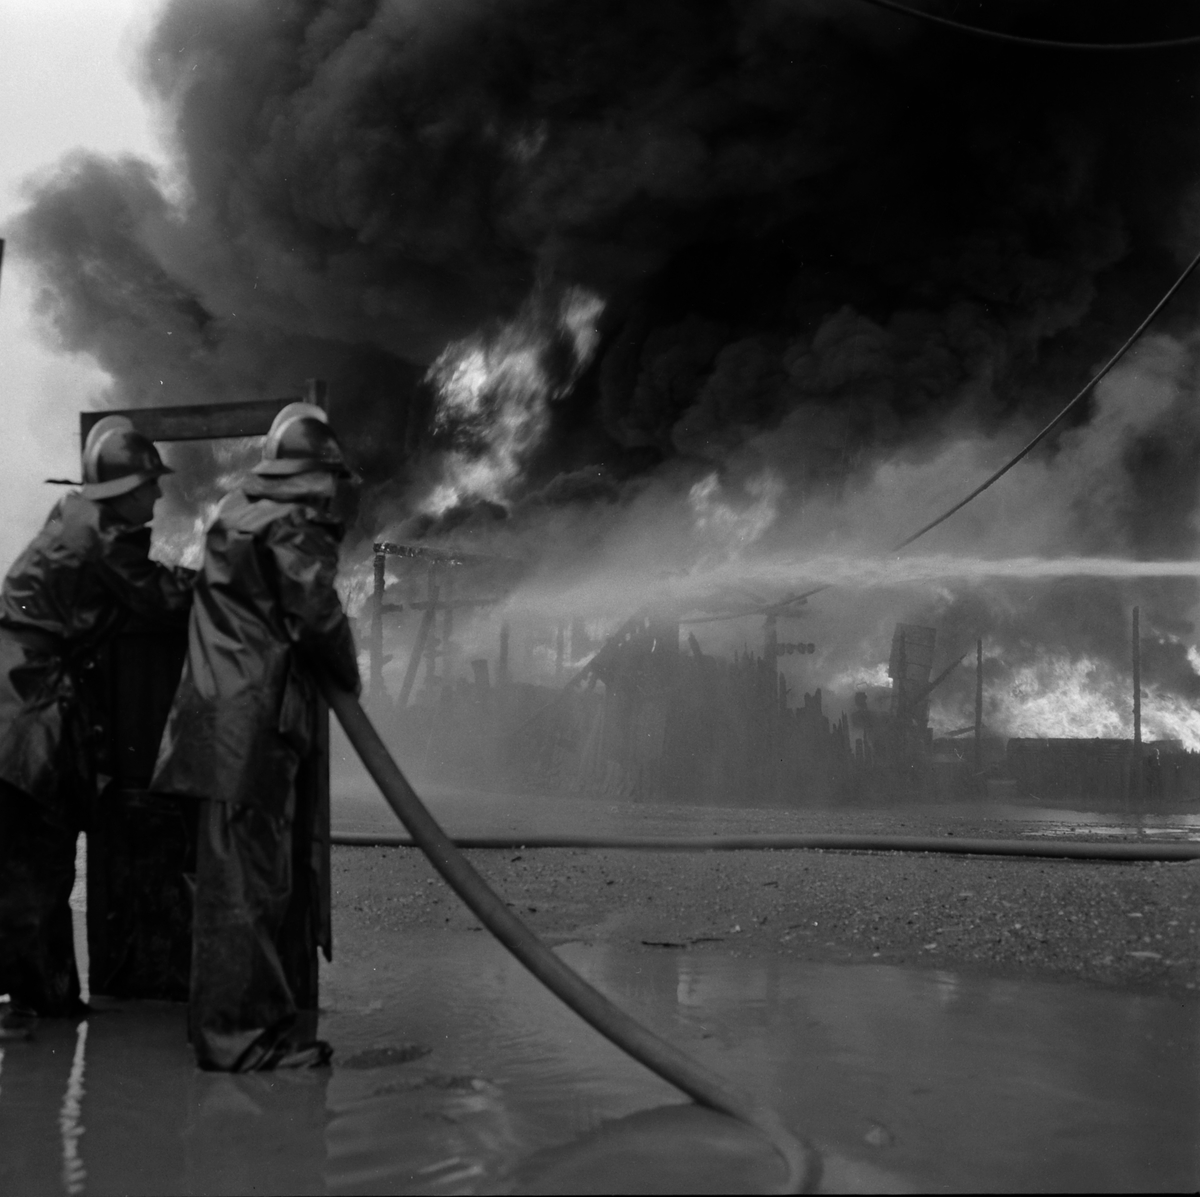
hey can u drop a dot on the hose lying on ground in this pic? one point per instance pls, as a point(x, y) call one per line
point(699, 1083)
point(1171, 850)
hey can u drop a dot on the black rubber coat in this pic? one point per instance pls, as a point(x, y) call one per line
point(265, 603)
point(80, 578)
point(79, 581)
point(241, 737)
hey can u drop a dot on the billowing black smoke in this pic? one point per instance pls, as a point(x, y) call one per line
point(823, 235)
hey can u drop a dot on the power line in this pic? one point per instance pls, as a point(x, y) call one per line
point(1062, 415)
point(1040, 43)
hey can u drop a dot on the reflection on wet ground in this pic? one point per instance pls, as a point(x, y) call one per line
point(930, 1079)
point(1079, 823)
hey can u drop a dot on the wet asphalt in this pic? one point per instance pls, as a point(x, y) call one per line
point(1105, 922)
point(931, 1023)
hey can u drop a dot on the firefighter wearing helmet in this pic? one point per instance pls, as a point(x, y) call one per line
point(82, 578)
point(241, 738)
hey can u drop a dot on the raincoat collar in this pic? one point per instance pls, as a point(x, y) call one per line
point(312, 485)
point(288, 492)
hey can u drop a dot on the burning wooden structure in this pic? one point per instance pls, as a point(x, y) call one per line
point(649, 717)
point(438, 574)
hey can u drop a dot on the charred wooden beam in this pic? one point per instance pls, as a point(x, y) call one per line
point(376, 680)
point(414, 661)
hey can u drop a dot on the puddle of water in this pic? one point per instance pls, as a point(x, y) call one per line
point(930, 1079)
point(953, 1082)
point(670, 1149)
point(1046, 820)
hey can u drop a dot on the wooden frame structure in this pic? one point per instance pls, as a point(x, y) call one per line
point(437, 597)
point(206, 421)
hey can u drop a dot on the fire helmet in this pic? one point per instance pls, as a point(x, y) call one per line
point(118, 459)
point(301, 440)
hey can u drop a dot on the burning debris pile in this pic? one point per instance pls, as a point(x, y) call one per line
point(685, 300)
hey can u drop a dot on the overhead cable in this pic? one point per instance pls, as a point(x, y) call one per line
point(1066, 411)
point(777, 608)
point(1037, 43)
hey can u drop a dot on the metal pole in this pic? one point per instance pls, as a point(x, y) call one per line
point(978, 706)
point(376, 685)
point(1137, 705)
point(559, 651)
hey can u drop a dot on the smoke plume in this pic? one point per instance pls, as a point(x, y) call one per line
point(687, 291)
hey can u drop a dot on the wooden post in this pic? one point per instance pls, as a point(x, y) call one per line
point(316, 391)
point(559, 651)
point(376, 681)
point(502, 663)
point(771, 660)
point(431, 646)
point(482, 682)
point(414, 660)
point(770, 643)
point(1137, 706)
point(448, 661)
point(978, 706)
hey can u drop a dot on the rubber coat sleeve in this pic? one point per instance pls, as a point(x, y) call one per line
point(306, 558)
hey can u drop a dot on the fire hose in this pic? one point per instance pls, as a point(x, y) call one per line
point(1055, 849)
point(702, 1085)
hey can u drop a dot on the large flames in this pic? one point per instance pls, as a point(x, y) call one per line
point(1059, 696)
point(494, 395)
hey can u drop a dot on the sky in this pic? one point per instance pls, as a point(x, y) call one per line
point(68, 83)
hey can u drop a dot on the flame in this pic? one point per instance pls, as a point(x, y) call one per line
point(356, 585)
point(497, 392)
point(1063, 697)
point(1059, 697)
point(861, 677)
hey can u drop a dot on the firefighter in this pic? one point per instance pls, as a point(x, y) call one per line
point(81, 578)
point(241, 738)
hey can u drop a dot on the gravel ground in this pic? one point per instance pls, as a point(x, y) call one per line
point(1099, 922)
